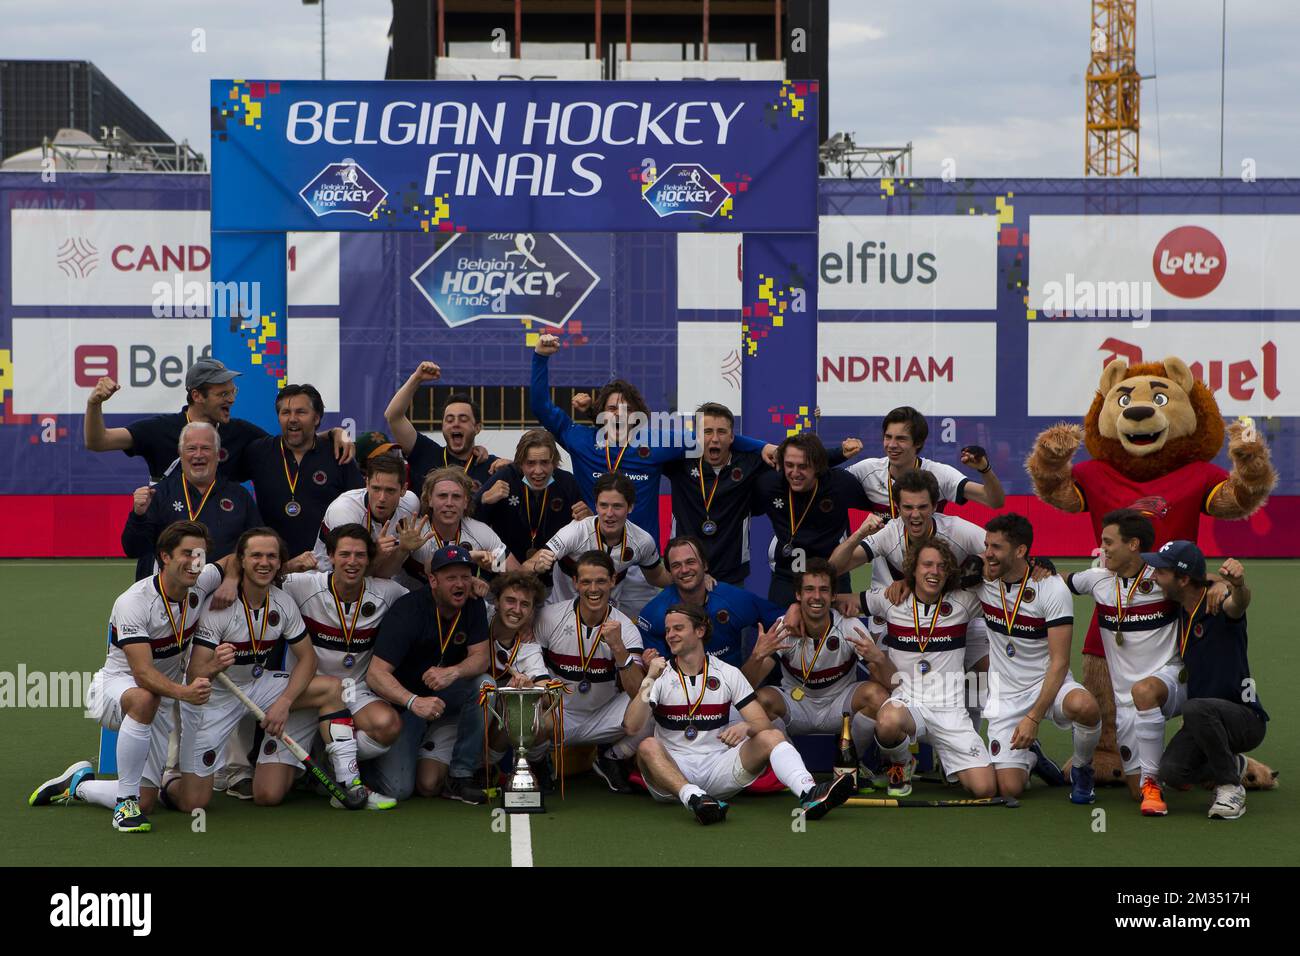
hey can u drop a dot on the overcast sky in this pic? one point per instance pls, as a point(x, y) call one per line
point(996, 85)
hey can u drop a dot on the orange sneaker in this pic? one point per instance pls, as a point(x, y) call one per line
point(1153, 801)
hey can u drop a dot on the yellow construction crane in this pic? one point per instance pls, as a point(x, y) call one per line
point(1113, 91)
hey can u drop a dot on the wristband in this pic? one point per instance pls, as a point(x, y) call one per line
point(631, 659)
point(407, 705)
point(986, 470)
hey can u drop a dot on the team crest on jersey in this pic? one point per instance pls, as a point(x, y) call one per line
point(1199, 630)
point(223, 455)
point(1144, 587)
point(177, 506)
point(1126, 753)
point(194, 600)
point(643, 451)
point(227, 504)
point(475, 484)
point(833, 644)
point(626, 554)
point(367, 609)
point(737, 474)
point(556, 504)
point(319, 477)
point(459, 638)
point(269, 748)
point(945, 608)
point(209, 758)
point(713, 683)
point(724, 616)
point(1029, 595)
point(995, 748)
point(273, 618)
point(1153, 506)
point(878, 621)
point(826, 505)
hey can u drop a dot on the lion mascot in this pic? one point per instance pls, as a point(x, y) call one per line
point(1153, 432)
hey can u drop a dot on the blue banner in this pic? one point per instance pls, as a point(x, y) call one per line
point(479, 157)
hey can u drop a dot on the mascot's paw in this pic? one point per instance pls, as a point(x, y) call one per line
point(1250, 456)
point(1259, 776)
point(1059, 442)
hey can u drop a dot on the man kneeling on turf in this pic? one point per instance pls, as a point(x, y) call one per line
point(693, 755)
point(247, 642)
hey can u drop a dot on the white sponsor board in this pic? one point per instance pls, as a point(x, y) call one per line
point(708, 270)
point(939, 368)
point(1188, 262)
point(701, 70)
point(57, 361)
point(708, 364)
point(1248, 365)
point(114, 257)
point(907, 262)
point(501, 68)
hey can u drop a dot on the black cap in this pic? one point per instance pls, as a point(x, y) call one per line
point(1182, 556)
point(448, 555)
point(207, 371)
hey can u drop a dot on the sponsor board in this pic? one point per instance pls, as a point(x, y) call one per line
point(505, 275)
point(945, 368)
point(907, 262)
point(1187, 262)
point(708, 364)
point(495, 68)
point(1245, 364)
point(57, 361)
point(709, 270)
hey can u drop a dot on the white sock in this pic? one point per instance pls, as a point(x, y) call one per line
point(1150, 741)
point(688, 791)
point(102, 793)
point(342, 750)
point(132, 753)
point(894, 753)
point(1085, 742)
point(368, 748)
point(863, 730)
point(789, 769)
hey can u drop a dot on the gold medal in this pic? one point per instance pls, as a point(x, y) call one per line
point(1119, 639)
point(796, 694)
point(1182, 676)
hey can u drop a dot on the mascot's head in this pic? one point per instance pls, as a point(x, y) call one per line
point(1151, 419)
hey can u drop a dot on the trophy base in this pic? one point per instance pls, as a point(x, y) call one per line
point(522, 801)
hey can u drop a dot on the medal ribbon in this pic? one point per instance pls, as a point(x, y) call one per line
point(343, 619)
point(185, 488)
point(889, 492)
point(1011, 621)
point(708, 499)
point(442, 643)
point(704, 688)
point(583, 655)
point(167, 606)
point(248, 619)
point(293, 482)
point(454, 539)
point(464, 464)
point(506, 667)
point(1119, 604)
point(804, 665)
point(916, 620)
point(618, 461)
point(1182, 645)
point(541, 512)
point(600, 541)
point(794, 528)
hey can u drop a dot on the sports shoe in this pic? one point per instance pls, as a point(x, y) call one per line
point(463, 789)
point(1153, 801)
point(707, 809)
point(1081, 784)
point(899, 777)
point(1229, 802)
point(128, 818)
point(1046, 767)
point(612, 772)
point(374, 801)
point(825, 797)
point(63, 788)
point(240, 789)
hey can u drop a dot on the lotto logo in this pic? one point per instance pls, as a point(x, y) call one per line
point(1190, 262)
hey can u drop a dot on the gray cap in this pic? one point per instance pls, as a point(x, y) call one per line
point(207, 371)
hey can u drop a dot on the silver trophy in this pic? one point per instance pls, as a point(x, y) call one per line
point(521, 712)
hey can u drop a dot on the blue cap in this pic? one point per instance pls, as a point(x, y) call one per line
point(448, 555)
point(1183, 556)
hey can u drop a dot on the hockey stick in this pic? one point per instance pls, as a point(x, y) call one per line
point(356, 802)
point(893, 803)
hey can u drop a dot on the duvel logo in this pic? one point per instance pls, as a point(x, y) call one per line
point(343, 187)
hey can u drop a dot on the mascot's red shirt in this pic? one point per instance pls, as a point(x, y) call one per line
point(1174, 503)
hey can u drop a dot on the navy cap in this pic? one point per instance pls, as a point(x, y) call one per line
point(1182, 556)
point(208, 371)
point(448, 555)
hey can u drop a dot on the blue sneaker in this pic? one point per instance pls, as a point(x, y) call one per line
point(1046, 767)
point(63, 788)
point(1081, 781)
point(128, 818)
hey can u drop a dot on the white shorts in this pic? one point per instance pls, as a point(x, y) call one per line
point(104, 704)
point(818, 715)
point(304, 727)
point(1126, 714)
point(949, 730)
point(977, 642)
point(1004, 713)
point(205, 729)
point(719, 773)
point(357, 694)
point(440, 739)
point(601, 726)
